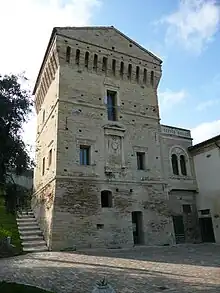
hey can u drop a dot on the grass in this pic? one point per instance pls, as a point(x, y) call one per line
point(19, 288)
point(8, 223)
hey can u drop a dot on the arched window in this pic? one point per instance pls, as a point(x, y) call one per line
point(77, 56)
point(129, 71)
point(87, 59)
point(137, 73)
point(183, 165)
point(145, 76)
point(175, 167)
point(104, 64)
point(122, 69)
point(95, 62)
point(68, 52)
point(113, 66)
point(106, 199)
point(152, 78)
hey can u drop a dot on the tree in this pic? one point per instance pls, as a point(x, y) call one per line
point(15, 107)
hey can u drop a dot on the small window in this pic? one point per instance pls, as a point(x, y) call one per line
point(87, 59)
point(104, 64)
point(183, 165)
point(84, 155)
point(205, 212)
point(43, 166)
point(106, 199)
point(175, 167)
point(152, 78)
point(50, 158)
point(187, 209)
point(145, 76)
point(137, 73)
point(112, 105)
point(43, 119)
point(113, 66)
point(129, 71)
point(140, 160)
point(77, 56)
point(100, 226)
point(95, 62)
point(68, 52)
point(122, 69)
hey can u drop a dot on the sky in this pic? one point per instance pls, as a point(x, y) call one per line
point(183, 33)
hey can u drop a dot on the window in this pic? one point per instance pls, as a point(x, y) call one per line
point(100, 226)
point(95, 62)
point(43, 116)
point(106, 199)
point(104, 64)
point(152, 78)
point(183, 165)
point(87, 59)
point(175, 167)
point(145, 76)
point(112, 105)
point(113, 66)
point(129, 71)
point(205, 212)
point(68, 52)
point(84, 155)
point(186, 208)
point(77, 56)
point(122, 69)
point(140, 160)
point(43, 166)
point(137, 73)
point(50, 158)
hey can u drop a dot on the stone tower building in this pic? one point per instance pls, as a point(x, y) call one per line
point(102, 176)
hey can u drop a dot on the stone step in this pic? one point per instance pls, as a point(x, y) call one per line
point(30, 232)
point(35, 243)
point(36, 248)
point(27, 224)
point(31, 238)
point(26, 217)
point(28, 228)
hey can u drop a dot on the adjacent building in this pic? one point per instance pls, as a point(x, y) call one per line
point(206, 156)
point(108, 174)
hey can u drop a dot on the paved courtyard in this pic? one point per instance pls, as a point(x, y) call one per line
point(179, 269)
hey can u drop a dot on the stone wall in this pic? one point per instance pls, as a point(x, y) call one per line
point(80, 221)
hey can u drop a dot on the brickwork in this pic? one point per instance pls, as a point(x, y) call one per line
point(91, 63)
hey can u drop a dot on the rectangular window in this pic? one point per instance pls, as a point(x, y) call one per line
point(104, 64)
point(84, 155)
point(68, 52)
point(140, 160)
point(43, 166)
point(205, 212)
point(112, 105)
point(50, 158)
point(113, 66)
point(187, 208)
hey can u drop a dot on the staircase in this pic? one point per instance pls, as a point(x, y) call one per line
point(30, 234)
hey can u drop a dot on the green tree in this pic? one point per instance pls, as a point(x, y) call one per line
point(15, 107)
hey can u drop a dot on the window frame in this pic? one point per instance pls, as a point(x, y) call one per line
point(112, 106)
point(177, 165)
point(141, 160)
point(85, 155)
point(106, 203)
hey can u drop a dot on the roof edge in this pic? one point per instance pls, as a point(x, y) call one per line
point(204, 143)
point(54, 31)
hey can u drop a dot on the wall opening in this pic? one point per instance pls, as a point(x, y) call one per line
point(113, 66)
point(95, 62)
point(86, 59)
point(84, 155)
point(137, 224)
point(129, 71)
point(77, 56)
point(145, 76)
point(183, 165)
point(104, 64)
point(122, 70)
point(140, 160)
point(112, 105)
point(175, 167)
point(137, 73)
point(68, 52)
point(106, 199)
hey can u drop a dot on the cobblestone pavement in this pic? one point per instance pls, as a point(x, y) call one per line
point(179, 269)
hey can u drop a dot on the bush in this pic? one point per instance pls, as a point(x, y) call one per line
point(4, 233)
